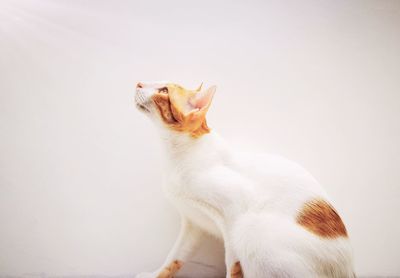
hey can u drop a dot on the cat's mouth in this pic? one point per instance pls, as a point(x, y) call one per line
point(140, 102)
point(143, 108)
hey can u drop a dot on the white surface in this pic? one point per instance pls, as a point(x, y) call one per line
point(80, 168)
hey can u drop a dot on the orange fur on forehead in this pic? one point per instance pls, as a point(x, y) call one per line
point(179, 97)
point(177, 114)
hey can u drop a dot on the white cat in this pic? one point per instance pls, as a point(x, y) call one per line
point(274, 218)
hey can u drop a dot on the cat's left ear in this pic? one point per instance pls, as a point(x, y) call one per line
point(201, 101)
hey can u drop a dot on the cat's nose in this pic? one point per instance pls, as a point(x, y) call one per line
point(139, 85)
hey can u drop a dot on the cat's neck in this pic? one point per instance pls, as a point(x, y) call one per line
point(182, 147)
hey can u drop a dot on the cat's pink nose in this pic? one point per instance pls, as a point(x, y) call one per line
point(139, 85)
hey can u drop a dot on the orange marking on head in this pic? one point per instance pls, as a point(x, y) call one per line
point(320, 218)
point(164, 107)
point(178, 114)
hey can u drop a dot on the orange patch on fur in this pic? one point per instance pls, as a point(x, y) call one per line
point(193, 124)
point(170, 270)
point(236, 271)
point(164, 107)
point(320, 218)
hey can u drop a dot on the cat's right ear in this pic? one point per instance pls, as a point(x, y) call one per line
point(201, 101)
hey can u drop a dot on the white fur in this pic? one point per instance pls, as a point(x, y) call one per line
point(248, 201)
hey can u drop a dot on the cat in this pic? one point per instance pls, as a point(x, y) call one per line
point(273, 217)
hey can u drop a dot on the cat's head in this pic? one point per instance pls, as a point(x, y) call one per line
point(177, 108)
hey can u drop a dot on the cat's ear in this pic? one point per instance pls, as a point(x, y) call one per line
point(199, 88)
point(201, 101)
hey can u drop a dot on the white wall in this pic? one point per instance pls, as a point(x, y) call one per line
point(80, 168)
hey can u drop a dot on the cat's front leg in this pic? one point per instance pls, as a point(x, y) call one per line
point(189, 238)
point(233, 267)
point(165, 272)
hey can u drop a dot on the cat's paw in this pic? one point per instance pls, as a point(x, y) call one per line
point(146, 275)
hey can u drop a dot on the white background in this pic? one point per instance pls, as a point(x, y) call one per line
point(81, 169)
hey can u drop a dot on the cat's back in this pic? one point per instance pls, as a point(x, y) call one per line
point(275, 172)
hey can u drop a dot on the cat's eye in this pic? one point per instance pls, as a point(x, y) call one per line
point(163, 90)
